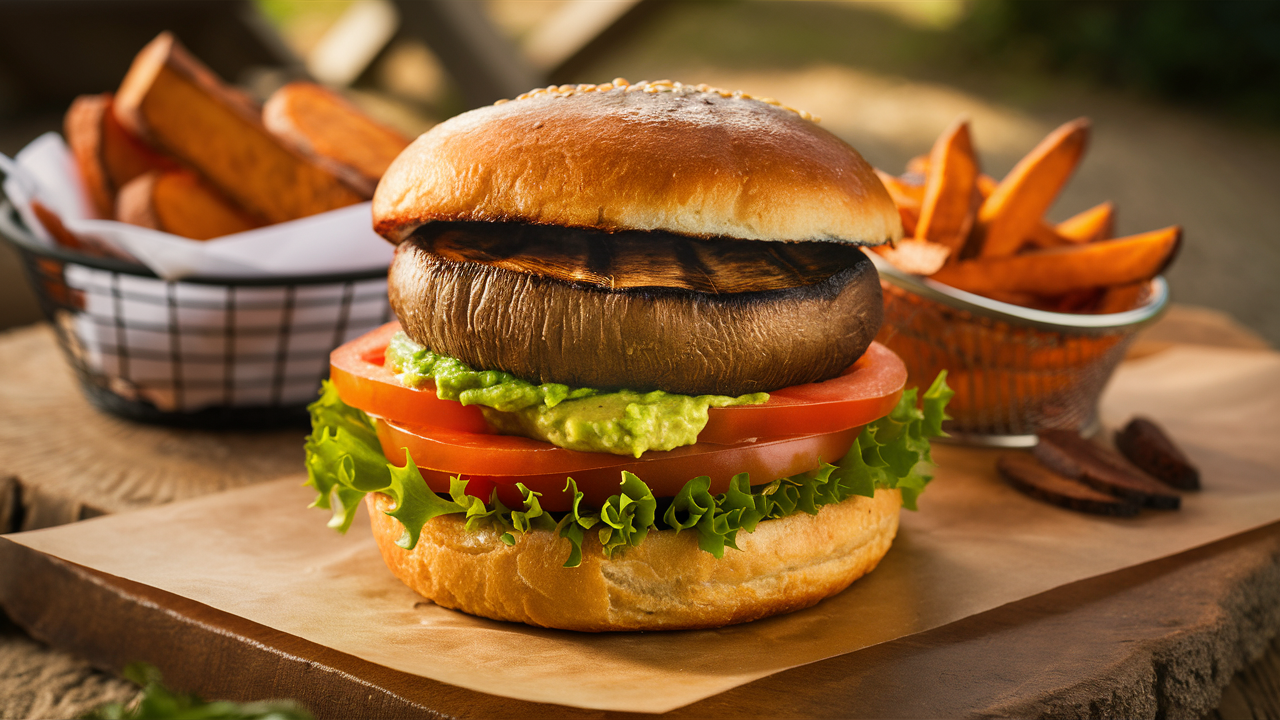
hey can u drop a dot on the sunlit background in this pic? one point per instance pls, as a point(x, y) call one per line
point(1184, 96)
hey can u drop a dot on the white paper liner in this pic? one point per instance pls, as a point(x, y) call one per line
point(975, 545)
point(338, 241)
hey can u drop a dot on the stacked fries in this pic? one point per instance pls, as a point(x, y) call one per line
point(972, 233)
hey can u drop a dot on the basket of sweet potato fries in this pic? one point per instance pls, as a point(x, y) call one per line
point(183, 160)
point(1029, 318)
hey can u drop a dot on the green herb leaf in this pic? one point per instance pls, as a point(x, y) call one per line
point(415, 503)
point(159, 702)
point(344, 459)
point(690, 504)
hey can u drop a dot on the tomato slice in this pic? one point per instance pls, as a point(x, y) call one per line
point(501, 461)
point(866, 391)
point(869, 389)
point(356, 370)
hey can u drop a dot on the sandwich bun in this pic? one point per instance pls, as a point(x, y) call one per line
point(665, 583)
point(690, 160)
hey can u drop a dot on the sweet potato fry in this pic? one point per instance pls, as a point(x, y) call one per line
point(1062, 270)
point(107, 154)
point(175, 102)
point(986, 183)
point(1096, 223)
point(1076, 301)
point(951, 194)
point(1024, 299)
point(1081, 301)
point(904, 194)
point(86, 244)
point(919, 165)
point(907, 197)
point(909, 218)
point(126, 155)
point(321, 125)
point(53, 225)
point(1049, 303)
point(919, 257)
point(1119, 298)
point(1045, 236)
point(1013, 209)
point(82, 128)
point(180, 202)
point(986, 186)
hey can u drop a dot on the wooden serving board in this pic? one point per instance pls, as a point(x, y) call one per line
point(1160, 638)
point(1163, 638)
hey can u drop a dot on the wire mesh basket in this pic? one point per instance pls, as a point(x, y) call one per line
point(1015, 370)
point(231, 353)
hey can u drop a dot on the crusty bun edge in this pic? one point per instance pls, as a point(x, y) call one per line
point(666, 583)
point(652, 156)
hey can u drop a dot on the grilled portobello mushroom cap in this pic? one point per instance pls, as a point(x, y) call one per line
point(644, 311)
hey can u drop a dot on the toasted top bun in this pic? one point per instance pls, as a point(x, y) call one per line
point(665, 583)
point(690, 160)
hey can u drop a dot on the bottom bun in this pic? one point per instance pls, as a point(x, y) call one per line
point(666, 583)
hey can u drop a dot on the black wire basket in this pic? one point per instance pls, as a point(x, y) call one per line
point(207, 352)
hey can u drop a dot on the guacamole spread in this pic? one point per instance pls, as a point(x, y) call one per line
point(622, 422)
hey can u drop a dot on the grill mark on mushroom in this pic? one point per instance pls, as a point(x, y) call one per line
point(780, 256)
point(693, 271)
point(599, 265)
point(639, 259)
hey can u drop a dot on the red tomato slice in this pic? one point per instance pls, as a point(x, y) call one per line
point(869, 389)
point(866, 391)
point(356, 370)
point(502, 461)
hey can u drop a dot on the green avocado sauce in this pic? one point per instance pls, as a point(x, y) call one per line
point(624, 422)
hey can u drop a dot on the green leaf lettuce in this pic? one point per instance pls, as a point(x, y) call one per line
point(345, 463)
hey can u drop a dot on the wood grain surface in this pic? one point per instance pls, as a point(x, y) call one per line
point(1161, 639)
point(62, 460)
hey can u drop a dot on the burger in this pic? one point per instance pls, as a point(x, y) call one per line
point(633, 383)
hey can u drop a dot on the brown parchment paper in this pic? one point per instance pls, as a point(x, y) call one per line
point(975, 545)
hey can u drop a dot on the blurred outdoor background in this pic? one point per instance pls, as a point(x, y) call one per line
point(1184, 95)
